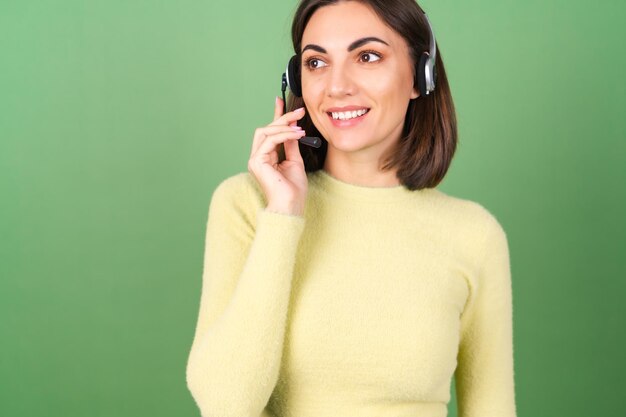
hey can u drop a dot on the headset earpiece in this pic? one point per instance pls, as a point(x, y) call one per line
point(426, 71)
point(421, 76)
point(293, 76)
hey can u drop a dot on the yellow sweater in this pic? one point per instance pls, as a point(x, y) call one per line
point(364, 307)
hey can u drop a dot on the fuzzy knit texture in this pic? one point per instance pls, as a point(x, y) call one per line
point(365, 306)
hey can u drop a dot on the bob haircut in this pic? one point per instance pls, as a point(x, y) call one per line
point(425, 149)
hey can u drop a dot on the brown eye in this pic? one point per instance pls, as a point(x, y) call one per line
point(369, 57)
point(315, 63)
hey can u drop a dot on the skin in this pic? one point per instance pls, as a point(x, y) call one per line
point(377, 75)
point(284, 184)
point(339, 69)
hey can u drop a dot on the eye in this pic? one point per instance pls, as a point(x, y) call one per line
point(314, 63)
point(369, 56)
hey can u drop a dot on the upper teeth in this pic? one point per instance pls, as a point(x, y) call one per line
point(345, 115)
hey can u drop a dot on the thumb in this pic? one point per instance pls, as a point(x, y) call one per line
point(278, 108)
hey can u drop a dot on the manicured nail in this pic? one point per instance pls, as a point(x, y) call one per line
point(296, 127)
point(276, 101)
point(300, 109)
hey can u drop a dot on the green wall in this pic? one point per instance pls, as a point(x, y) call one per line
point(118, 118)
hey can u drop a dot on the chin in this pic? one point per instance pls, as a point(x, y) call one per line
point(347, 143)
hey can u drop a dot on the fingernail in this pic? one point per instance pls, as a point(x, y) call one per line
point(296, 127)
point(276, 100)
point(299, 109)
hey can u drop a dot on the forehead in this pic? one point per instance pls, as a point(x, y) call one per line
point(339, 24)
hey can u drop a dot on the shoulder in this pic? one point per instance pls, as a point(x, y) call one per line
point(238, 187)
point(464, 209)
point(237, 194)
point(469, 220)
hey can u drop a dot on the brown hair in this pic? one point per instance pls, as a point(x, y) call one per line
point(425, 150)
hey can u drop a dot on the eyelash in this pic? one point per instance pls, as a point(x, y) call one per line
point(378, 55)
point(307, 63)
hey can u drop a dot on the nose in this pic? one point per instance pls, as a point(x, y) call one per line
point(340, 82)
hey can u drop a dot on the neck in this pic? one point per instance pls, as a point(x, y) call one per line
point(359, 172)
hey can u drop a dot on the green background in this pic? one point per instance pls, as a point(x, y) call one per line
point(118, 118)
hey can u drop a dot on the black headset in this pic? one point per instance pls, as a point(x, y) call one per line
point(426, 74)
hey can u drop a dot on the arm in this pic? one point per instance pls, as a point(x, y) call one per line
point(484, 377)
point(236, 353)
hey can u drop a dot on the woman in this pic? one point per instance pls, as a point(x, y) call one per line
point(344, 282)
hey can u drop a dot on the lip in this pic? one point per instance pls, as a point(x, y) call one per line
point(346, 108)
point(350, 122)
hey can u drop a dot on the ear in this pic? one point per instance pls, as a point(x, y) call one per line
point(414, 93)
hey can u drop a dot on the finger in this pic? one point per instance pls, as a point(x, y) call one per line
point(261, 133)
point(263, 166)
point(270, 142)
point(289, 117)
point(278, 108)
point(292, 151)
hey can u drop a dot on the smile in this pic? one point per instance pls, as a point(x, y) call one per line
point(347, 115)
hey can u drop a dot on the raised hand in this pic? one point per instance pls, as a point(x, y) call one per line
point(284, 183)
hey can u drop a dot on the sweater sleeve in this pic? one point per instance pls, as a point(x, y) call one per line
point(484, 376)
point(249, 258)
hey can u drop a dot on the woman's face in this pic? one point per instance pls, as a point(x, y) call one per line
point(357, 79)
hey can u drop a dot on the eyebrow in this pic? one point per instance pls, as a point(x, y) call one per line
point(356, 44)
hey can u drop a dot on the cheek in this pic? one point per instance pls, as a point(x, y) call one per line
point(392, 92)
point(403, 80)
point(312, 95)
point(312, 89)
point(393, 88)
point(313, 114)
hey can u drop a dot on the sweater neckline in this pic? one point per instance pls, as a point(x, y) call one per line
point(340, 188)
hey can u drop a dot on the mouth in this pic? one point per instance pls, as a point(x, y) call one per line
point(348, 114)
